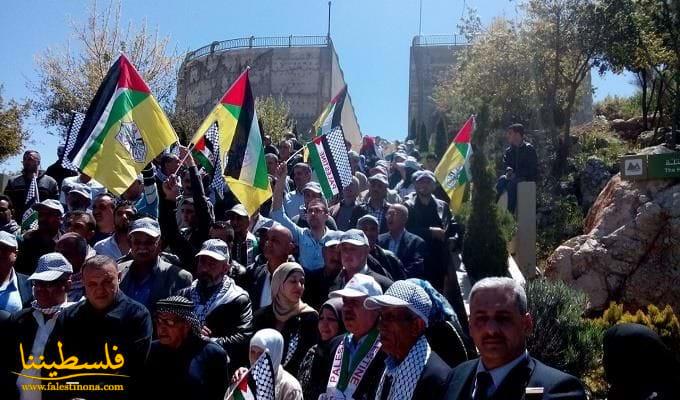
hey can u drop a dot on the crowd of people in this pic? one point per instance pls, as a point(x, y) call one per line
point(344, 294)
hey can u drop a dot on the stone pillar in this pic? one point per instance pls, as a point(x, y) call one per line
point(525, 240)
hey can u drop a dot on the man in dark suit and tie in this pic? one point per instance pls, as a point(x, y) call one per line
point(499, 325)
point(409, 248)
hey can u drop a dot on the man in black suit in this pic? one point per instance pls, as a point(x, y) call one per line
point(409, 248)
point(257, 280)
point(412, 370)
point(499, 325)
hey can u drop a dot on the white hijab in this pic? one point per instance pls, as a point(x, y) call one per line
point(272, 341)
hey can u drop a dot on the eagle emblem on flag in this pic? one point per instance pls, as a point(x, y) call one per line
point(131, 139)
point(452, 177)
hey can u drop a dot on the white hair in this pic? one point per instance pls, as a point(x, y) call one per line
point(503, 283)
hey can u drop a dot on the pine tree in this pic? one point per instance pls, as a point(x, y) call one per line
point(484, 250)
point(423, 142)
point(412, 132)
point(441, 141)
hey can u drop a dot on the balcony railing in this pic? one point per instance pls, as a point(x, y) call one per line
point(440, 40)
point(258, 42)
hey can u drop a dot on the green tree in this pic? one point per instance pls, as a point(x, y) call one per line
point(413, 131)
point(12, 131)
point(185, 122)
point(274, 114)
point(69, 76)
point(441, 139)
point(484, 250)
point(423, 140)
point(564, 40)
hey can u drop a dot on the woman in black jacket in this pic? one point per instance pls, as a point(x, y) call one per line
point(314, 369)
point(296, 320)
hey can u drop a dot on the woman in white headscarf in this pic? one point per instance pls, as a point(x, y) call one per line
point(270, 340)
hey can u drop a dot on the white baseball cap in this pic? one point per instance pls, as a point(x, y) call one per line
point(214, 248)
point(359, 286)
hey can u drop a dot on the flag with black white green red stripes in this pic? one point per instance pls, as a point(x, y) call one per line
point(328, 158)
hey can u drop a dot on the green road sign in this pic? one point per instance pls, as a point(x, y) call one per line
point(661, 166)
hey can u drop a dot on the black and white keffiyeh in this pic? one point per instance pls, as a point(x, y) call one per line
point(264, 377)
point(181, 307)
point(406, 374)
point(292, 347)
point(202, 308)
point(49, 310)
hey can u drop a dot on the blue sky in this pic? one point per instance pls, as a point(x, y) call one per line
point(372, 38)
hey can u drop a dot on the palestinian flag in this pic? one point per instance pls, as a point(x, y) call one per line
point(124, 129)
point(30, 218)
point(261, 377)
point(204, 150)
point(328, 158)
point(453, 171)
point(243, 391)
point(239, 137)
point(331, 115)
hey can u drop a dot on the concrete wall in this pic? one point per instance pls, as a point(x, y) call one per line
point(306, 77)
point(428, 66)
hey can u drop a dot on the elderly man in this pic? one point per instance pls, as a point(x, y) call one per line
point(148, 278)
point(118, 245)
point(357, 363)
point(409, 248)
point(93, 188)
point(412, 369)
point(15, 289)
point(74, 248)
point(42, 240)
point(500, 324)
point(33, 326)
point(182, 365)
point(342, 211)
point(354, 251)
point(376, 201)
point(107, 320)
point(17, 187)
point(302, 175)
point(277, 250)
point(380, 260)
point(78, 197)
point(222, 308)
point(309, 240)
point(430, 219)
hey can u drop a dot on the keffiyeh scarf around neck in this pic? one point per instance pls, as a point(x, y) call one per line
point(49, 310)
point(406, 374)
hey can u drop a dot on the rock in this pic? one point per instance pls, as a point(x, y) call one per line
point(627, 129)
point(594, 176)
point(630, 251)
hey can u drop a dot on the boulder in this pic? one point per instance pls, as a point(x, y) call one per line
point(592, 179)
point(630, 251)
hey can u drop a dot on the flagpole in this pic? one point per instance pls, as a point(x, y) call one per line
point(231, 391)
point(298, 151)
point(189, 149)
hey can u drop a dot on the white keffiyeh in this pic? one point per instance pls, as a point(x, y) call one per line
point(406, 374)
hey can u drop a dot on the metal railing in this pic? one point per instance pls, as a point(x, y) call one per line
point(439, 40)
point(258, 42)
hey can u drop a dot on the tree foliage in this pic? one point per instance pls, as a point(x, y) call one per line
point(69, 75)
point(423, 139)
point(274, 114)
point(12, 131)
point(484, 250)
point(441, 139)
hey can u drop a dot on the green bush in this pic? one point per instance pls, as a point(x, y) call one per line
point(564, 221)
point(563, 338)
point(616, 107)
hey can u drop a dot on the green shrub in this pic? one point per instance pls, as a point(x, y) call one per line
point(615, 107)
point(563, 338)
point(564, 221)
point(664, 322)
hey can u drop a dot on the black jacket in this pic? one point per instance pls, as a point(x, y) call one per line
point(385, 263)
point(362, 209)
point(198, 370)
point(411, 252)
point(317, 286)
point(528, 373)
point(32, 246)
point(84, 331)
point(17, 187)
point(304, 325)
point(522, 159)
point(433, 381)
point(231, 324)
point(253, 282)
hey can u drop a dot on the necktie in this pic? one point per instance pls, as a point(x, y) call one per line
point(387, 386)
point(482, 386)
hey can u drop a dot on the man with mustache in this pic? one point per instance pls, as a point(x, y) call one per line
point(500, 324)
point(222, 308)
